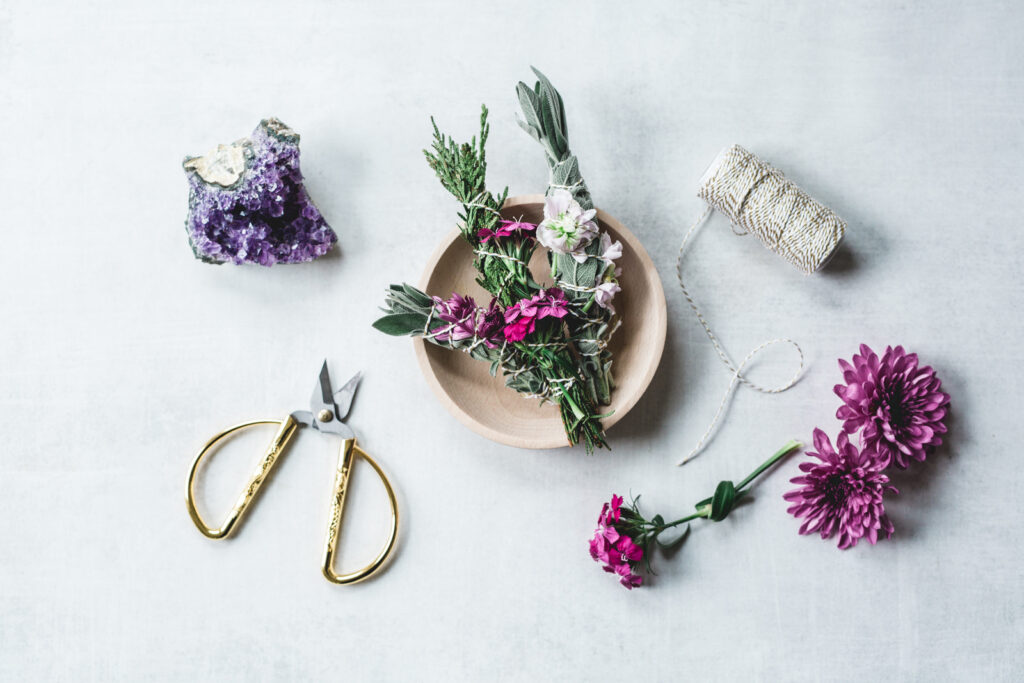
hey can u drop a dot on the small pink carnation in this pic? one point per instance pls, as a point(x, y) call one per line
point(618, 552)
point(506, 229)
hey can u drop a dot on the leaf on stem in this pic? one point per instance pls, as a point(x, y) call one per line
point(399, 324)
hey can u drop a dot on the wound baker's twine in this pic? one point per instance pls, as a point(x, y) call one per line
point(758, 199)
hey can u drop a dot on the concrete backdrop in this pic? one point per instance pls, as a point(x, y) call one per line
point(121, 354)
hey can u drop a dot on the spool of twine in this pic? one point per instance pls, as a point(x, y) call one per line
point(759, 199)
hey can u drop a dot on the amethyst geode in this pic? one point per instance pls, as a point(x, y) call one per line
point(247, 203)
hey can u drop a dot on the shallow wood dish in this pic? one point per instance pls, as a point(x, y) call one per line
point(483, 403)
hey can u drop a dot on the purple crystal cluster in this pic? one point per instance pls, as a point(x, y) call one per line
point(247, 203)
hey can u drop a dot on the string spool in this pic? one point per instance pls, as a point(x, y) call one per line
point(759, 199)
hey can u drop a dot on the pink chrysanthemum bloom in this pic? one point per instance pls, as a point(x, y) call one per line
point(615, 548)
point(842, 494)
point(900, 406)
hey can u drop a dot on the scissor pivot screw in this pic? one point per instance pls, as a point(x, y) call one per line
point(325, 415)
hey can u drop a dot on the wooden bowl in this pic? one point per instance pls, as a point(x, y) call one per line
point(483, 403)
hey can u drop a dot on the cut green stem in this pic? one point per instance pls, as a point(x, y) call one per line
point(705, 510)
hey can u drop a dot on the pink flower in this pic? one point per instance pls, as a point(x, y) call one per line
point(506, 229)
point(459, 314)
point(566, 228)
point(630, 550)
point(900, 406)
point(606, 291)
point(843, 493)
point(610, 251)
point(518, 330)
point(521, 319)
point(552, 303)
point(612, 512)
point(524, 308)
point(614, 548)
point(629, 579)
point(465, 320)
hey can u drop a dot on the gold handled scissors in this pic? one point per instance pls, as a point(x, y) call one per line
point(326, 414)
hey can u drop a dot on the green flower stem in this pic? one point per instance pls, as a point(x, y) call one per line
point(705, 510)
point(779, 454)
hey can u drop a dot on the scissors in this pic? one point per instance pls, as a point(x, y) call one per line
point(326, 414)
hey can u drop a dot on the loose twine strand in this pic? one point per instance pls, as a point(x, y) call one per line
point(736, 370)
point(758, 199)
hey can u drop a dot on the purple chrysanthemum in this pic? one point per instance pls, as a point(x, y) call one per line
point(843, 493)
point(247, 203)
point(899, 405)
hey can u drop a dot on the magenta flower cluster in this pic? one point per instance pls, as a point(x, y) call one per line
point(465, 320)
point(899, 409)
point(611, 546)
point(506, 229)
point(521, 317)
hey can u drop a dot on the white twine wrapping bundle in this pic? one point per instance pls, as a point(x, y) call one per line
point(758, 199)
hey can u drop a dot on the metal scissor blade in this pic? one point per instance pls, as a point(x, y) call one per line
point(343, 397)
point(321, 397)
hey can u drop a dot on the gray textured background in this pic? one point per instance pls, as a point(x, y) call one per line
point(121, 354)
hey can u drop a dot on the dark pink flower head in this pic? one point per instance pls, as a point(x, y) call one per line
point(465, 320)
point(524, 308)
point(506, 229)
point(552, 303)
point(613, 547)
point(900, 406)
point(842, 494)
point(611, 512)
point(520, 319)
point(459, 314)
point(490, 324)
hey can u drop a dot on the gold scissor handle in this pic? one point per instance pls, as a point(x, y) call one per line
point(287, 429)
point(346, 457)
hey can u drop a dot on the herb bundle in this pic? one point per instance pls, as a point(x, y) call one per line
point(548, 343)
point(587, 274)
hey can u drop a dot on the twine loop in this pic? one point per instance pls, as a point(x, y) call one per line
point(737, 371)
